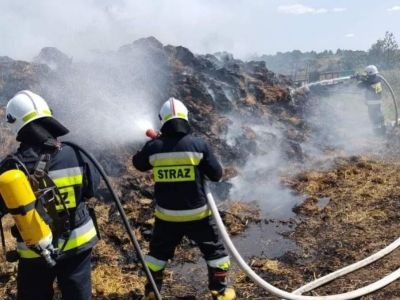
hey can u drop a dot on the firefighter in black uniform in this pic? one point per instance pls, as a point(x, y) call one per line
point(180, 164)
point(72, 225)
point(372, 85)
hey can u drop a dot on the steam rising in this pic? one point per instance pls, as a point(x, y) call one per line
point(338, 119)
point(259, 178)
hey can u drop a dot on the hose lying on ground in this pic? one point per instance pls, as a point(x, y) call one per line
point(351, 268)
point(124, 218)
point(278, 292)
point(393, 98)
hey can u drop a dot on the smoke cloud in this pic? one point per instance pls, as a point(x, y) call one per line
point(259, 179)
point(339, 126)
point(340, 121)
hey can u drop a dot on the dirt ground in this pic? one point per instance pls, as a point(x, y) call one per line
point(351, 211)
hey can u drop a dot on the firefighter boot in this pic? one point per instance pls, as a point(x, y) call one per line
point(217, 283)
point(148, 289)
point(228, 294)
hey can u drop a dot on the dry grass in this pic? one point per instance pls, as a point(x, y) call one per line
point(361, 218)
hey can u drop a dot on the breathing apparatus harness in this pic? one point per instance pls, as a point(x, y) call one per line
point(47, 198)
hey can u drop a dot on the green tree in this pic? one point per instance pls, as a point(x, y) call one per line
point(385, 52)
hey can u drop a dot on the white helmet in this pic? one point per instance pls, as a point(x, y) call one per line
point(24, 108)
point(371, 70)
point(173, 109)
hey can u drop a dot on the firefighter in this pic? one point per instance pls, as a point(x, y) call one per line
point(372, 85)
point(68, 180)
point(180, 164)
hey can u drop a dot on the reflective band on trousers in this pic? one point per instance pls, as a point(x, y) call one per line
point(155, 264)
point(65, 180)
point(182, 215)
point(374, 102)
point(222, 263)
point(79, 237)
point(175, 159)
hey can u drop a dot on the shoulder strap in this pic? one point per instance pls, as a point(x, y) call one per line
point(42, 165)
point(17, 161)
point(3, 240)
point(39, 171)
point(48, 196)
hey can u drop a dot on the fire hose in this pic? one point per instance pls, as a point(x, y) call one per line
point(124, 218)
point(296, 294)
point(393, 97)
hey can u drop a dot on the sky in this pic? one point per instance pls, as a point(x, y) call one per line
point(242, 27)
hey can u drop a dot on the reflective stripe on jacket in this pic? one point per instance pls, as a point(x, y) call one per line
point(182, 215)
point(67, 180)
point(84, 236)
point(179, 163)
point(175, 166)
point(373, 90)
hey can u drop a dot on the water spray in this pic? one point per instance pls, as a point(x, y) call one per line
point(334, 81)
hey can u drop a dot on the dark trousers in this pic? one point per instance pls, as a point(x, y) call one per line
point(35, 280)
point(167, 235)
point(376, 115)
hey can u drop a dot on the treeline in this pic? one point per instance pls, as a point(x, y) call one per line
point(384, 53)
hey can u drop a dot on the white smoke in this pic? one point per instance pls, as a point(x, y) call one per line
point(260, 178)
point(340, 126)
point(340, 121)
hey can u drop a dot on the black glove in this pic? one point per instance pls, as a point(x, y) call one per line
point(359, 77)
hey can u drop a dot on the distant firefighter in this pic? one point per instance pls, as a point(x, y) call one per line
point(371, 83)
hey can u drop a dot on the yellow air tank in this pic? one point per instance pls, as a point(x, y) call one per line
point(20, 200)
